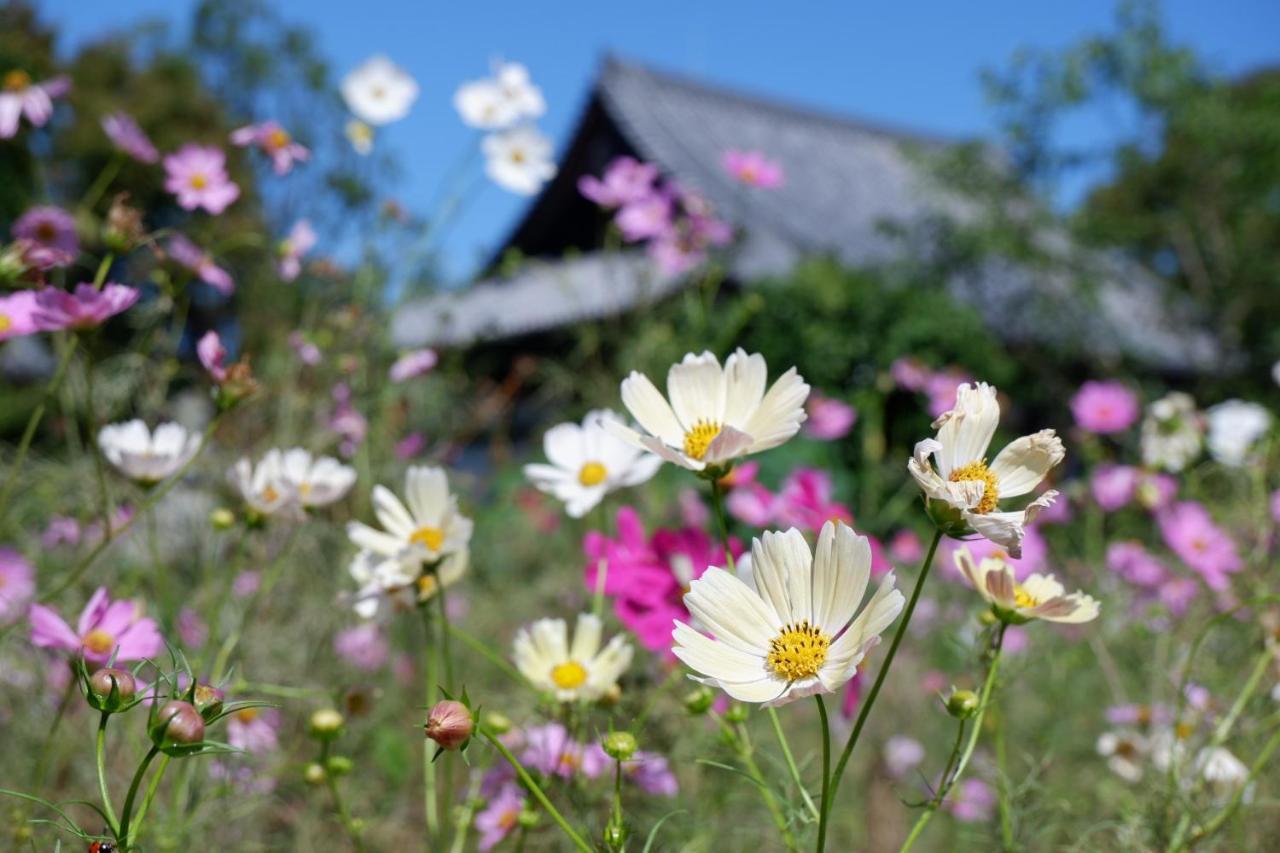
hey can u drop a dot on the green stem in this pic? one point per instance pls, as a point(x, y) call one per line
point(616, 820)
point(903, 622)
point(826, 775)
point(104, 179)
point(444, 642)
point(270, 578)
point(104, 267)
point(536, 791)
point(152, 787)
point(948, 783)
point(792, 768)
point(1002, 790)
point(487, 653)
point(717, 501)
point(1260, 667)
point(124, 835)
point(602, 568)
point(33, 422)
point(742, 743)
point(429, 799)
point(100, 749)
point(465, 815)
point(344, 817)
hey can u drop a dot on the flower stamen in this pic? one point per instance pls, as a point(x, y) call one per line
point(569, 675)
point(431, 537)
point(798, 652)
point(699, 438)
point(991, 488)
point(592, 474)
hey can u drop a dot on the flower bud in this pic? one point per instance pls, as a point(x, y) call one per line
point(326, 724)
point(962, 704)
point(314, 774)
point(619, 745)
point(338, 765)
point(222, 519)
point(107, 679)
point(615, 835)
point(208, 700)
point(497, 722)
point(699, 700)
point(947, 519)
point(736, 714)
point(529, 818)
point(449, 724)
point(178, 723)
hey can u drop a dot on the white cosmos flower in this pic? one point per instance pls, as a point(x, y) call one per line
point(1038, 597)
point(1234, 428)
point(580, 670)
point(794, 633)
point(587, 462)
point(519, 159)
point(385, 586)
point(422, 531)
point(498, 102)
point(1223, 774)
point(962, 479)
point(1171, 432)
point(315, 481)
point(1124, 751)
point(379, 91)
point(263, 486)
point(716, 414)
point(147, 456)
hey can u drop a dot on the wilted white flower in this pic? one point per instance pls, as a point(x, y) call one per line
point(385, 586)
point(519, 159)
point(572, 671)
point(145, 456)
point(426, 529)
point(795, 633)
point(963, 491)
point(1234, 428)
point(716, 414)
point(587, 462)
point(379, 91)
point(1171, 432)
point(1125, 752)
point(315, 481)
point(1038, 597)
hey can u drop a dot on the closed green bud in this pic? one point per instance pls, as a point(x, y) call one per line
point(315, 774)
point(326, 724)
point(699, 701)
point(736, 713)
point(619, 746)
point(529, 819)
point(962, 704)
point(338, 765)
point(497, 722)
point(222, 519)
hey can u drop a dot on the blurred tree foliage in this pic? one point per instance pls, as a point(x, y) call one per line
point(1191, 188)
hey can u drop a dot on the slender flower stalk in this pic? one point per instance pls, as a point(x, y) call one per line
point(825, 809)
point(113, 822)
point(430, 802)
point(33, 423)
point(790, 760)
point(126, 833)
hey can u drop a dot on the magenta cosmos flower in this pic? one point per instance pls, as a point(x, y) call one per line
point(105, 627)
point(213, 355)
point(1114, 486)
point(86, 307)
point(17, 315)
point(364, 646)
point(17, 584)
point(1135, 564)
point(274, 141)
point(197, 175)
point(254, 729)
point(51, 229)
point(1105, 408)
point(1189, 531)
point(496, 821)
point(126, 135)
point(301, 239)
point(647, 577)
point(626, 180)
point(197, 260)
point(20, 96)
point(753, 168)
point(829, 419)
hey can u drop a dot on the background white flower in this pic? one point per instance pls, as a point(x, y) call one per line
point(142, 455)
point(379, 91)
point(519, 159)
point(1037, 597)
point(1171, 432)
point(498, 102)
point(715, 414)
point(581, 670)
point(263, 486)
point(1125, 752)
point(424, 529)
point(794, 634)
point(315, 481)
point(587, 462)
point(1235, 426)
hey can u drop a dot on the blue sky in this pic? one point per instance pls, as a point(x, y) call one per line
point(913, 64)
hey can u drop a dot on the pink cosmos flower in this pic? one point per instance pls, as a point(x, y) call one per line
point(805, 501)
point(1155, 491)
point(1058, 512)
point(191, 628)
point(198, 261)
point(852, 697)
point(1139, 715)
point(1177, 594)
point(197, 175)
point(18, 315)
point(20, 96)
point(552, 752)
point(274, 141)
point(246, 584)
point(51, 229)
point(645, 218)
point(364, 646)
point(941, 388)
point(301, 239)
point(347, 422)
point(1275, 505)
point(1105, 408)
point(85, 308)
point(410, 446)
point(61, 530)
point(909, 374)
point(1135, 564)
point(625, 180)
point(902, 755)
point(307, 352)
point(693, 512)
point(496, 821)
point(1113, 486)
point(17, 585)
point(413, 364)
point(126, 135)
point(105, 627)
point(1015, 640)
point(829, 419)
point(213, 355)
point(971, 801)
point(647, 578)
point(905, 547)
point(685, 245)
point(752, 504)
point(1189, 531)
point(753, 168)
point(651, 773)
point(254, 729)
point(1035, 554)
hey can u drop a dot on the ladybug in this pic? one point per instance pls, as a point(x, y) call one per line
point(102, 847)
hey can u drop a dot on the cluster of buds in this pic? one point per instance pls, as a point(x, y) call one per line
point(326, 726)
point(123, 228)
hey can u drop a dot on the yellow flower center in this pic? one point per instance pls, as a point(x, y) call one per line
point(698, 439)
point(592, 474)
point(517, 156)
point(270, 495)
point(199, 182)
point(569, 675)
point(5, 323)
point(16, 80)
point(508, 819)
point(991, 489)
point(1126, 749)
point(1024, 599)
point(99, 642)
point(798, 652)
point(431, 537)
point(278, 138)
point(427, 587)
point(248, 715)
point(304, 490)
point(1182, 731)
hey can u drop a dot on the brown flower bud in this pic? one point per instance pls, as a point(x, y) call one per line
point(449, 724)
point(178, 723)
point(102, 681)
